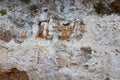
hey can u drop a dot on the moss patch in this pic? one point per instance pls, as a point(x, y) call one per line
point(3, 12)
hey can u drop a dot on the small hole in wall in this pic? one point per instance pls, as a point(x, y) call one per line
point(39, 23)
point(67, 24)
point(45, 10)
point(86, 66)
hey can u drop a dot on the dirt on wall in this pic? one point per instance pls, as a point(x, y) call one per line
point(13, 74)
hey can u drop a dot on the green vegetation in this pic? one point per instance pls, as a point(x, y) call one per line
point(26, 1)
point(60, 0)
point(3, 12)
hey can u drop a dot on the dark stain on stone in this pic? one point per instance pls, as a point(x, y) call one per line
point(115, 6)
point(104, 8)
point(107, 78)
point(34, 8)
point(86, 53)
point(5, 35)
point(86, 50)
point(13, 74)
point(100, 8)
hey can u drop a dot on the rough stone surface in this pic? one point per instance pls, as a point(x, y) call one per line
point(61, 40)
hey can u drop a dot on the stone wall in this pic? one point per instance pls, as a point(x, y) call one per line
point(59, 40)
